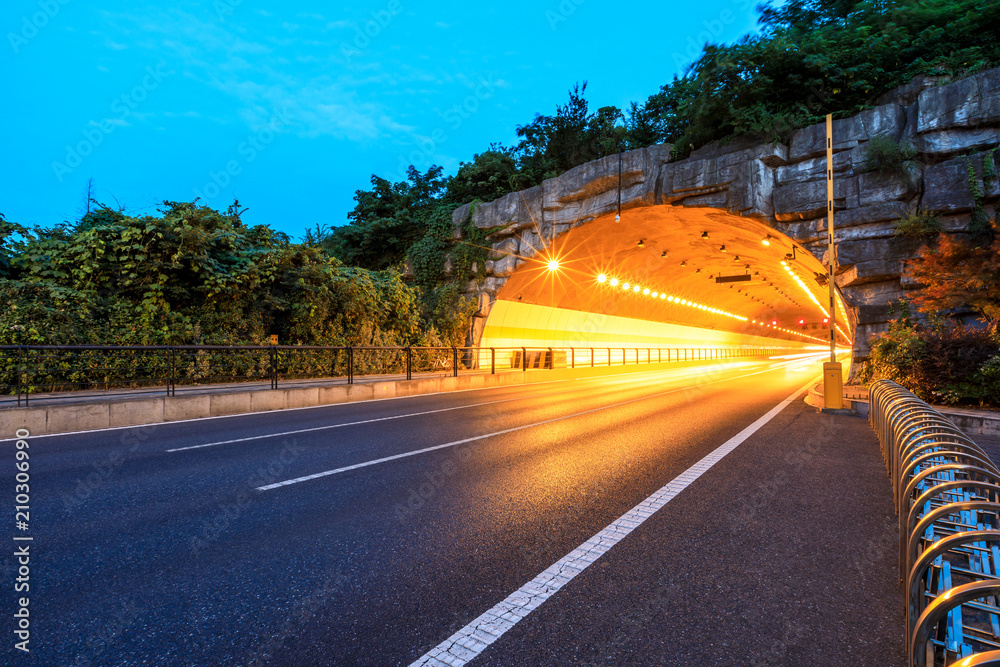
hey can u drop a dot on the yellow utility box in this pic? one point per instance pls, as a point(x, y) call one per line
point(833, 385)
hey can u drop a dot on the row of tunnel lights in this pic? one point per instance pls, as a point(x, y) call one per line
point(614, 282)
point(553, 265)
point(636, 289)
point(805, 288)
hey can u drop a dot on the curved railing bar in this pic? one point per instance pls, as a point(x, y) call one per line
point(937, 610)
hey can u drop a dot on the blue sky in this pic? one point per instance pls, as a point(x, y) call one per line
point(291, 106)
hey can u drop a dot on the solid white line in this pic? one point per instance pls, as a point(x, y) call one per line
point(379, 400)
point(673, 376)
point(475, 637)
point(514, 429)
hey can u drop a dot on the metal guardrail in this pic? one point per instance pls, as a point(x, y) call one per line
point(34, 369)
point(947, 497)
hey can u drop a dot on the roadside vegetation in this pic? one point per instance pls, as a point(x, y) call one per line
point(933, 354)
point(941, 362)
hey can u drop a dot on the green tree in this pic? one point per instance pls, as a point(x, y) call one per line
point(489, 176)
point(551, 145)
point(196, 275)
point(387, 219)
point(11, 235)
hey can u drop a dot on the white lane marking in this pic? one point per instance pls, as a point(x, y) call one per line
point(475, 637)
point(681, 374)
point(395, 457)
point(379, 400)
point(330, 426)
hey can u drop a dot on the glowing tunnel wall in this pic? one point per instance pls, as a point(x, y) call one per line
point(513, 324)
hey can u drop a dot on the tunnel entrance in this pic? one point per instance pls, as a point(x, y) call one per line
point(663, 276)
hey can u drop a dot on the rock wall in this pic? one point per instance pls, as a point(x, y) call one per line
point(784, 187)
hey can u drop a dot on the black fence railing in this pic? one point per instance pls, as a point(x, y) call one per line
point(34, 369)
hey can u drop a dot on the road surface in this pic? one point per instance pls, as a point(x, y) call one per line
point(370, 533)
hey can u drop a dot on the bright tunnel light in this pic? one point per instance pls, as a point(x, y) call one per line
point(602, 278)
point(553, 265)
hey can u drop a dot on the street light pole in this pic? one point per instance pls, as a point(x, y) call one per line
point(833, 379)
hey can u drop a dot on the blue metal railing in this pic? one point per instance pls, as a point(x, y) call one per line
point(947, 497)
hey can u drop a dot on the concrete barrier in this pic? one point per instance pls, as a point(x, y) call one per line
point(88, 416)
point(301, 398)
point(265, 401)
point(973, 422)
point(134, 413)
point(177, 408)
point(32, 419)
point(976, 422)
point(79, 417)
point(236, 403)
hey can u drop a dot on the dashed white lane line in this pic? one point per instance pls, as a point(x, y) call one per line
point(282, 411)
point(673, 375)
point(475, 637)
point(416, 452)
point(282, 434)
point(331, 426)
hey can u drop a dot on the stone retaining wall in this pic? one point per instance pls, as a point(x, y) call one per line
point(784, 187)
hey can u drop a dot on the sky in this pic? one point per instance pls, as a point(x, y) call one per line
point(290, 107)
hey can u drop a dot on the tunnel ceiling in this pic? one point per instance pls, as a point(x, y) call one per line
point(687, 272)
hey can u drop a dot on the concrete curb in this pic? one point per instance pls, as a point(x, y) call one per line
point(51, 419)
point(814, 398)
point(973, 422)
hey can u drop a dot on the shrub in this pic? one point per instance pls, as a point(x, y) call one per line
point(918, 222)
point(885, 155)
point(953, 365)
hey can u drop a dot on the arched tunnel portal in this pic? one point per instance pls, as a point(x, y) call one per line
point(664, 276)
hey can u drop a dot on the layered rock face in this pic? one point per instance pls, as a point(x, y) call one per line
point(784, 187)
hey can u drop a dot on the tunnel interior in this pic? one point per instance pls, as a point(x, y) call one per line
point(666, 276)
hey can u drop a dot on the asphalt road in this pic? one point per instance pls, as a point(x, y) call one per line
point(156, 545)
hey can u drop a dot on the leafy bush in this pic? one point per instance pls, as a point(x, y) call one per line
point(194, 276)
point(886, 155)
point(918, 222)
point(954, 365)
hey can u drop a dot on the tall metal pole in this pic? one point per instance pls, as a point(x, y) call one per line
point(833, 379)
point(618, 215)
point(831, 250)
